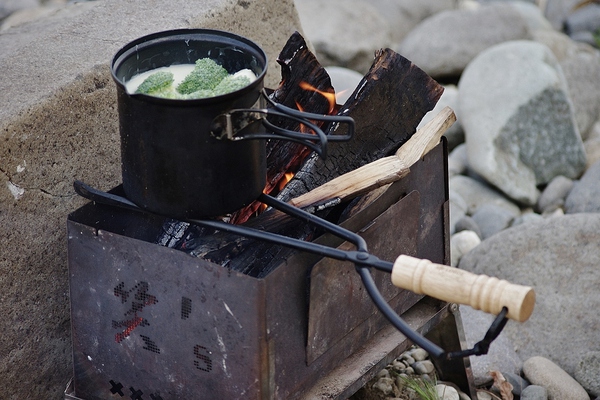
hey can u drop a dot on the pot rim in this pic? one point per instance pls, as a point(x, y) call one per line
point(237, 42)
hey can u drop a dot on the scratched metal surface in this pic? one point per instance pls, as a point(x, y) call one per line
point(149, 322)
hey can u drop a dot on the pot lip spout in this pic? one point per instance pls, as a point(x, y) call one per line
point(222, 40)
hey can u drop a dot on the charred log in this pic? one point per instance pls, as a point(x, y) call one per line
point(387, 106)
point(285, 156)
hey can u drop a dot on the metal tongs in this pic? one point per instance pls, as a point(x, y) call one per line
point(499, 297)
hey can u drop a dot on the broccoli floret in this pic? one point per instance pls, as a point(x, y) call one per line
point(206, 76)
point(199, 94)
point(155, 83)
point(230, 84)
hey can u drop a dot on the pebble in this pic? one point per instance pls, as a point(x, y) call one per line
point(419, 354)
point(560, 385)
point(534, 392)
point(384, 385)
point(467, 223)
point(446, 392)
point(516, 381)
point(554, 195)
point(585, 194)
point(491, 219)
point(423, 367)
point(460, 244)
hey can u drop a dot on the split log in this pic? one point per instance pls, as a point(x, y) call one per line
point(387, 105)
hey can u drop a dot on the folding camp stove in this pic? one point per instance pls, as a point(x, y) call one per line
point(151, 322)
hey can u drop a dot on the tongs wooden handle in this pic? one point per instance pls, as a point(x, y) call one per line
point(459, 286)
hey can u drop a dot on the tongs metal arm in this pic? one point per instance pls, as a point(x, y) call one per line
point(361, 258)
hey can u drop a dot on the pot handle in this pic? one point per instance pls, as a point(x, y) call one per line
point(455, 285)
point(229, 126)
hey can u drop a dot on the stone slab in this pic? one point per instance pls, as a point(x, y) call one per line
point(58, 123)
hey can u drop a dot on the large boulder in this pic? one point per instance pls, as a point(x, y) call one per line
point(581, 67)
point(559, 258)
point(326, 24)
point(444, 44)
point(519, 123)
point(58, 123)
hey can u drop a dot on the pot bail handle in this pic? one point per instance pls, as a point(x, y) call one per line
point(231, 124)
point(455, 285)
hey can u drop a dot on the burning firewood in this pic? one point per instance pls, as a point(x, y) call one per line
point(387, 106)
point(317, 96)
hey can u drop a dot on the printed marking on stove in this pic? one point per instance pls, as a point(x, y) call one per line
point(136, 394)
point(141, 299)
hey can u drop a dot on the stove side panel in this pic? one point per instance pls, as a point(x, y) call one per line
point(153, 323)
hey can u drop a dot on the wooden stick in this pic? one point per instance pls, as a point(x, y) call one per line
point(459, 286)
point(383, 171)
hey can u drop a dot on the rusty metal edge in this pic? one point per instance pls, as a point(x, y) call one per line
point(363, 365)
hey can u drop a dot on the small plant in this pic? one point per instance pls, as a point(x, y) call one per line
point(596, 35)
point(425, 389)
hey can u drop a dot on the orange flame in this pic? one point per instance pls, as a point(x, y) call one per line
point(329, 96)
point(284, 180)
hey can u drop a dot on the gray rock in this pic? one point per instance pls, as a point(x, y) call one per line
point(419, 354)
point(518, 120)
point(491, 219)
point(554, 194)
point(543, 372)
point(587, 372)
point(326, 25)
point(592, 145)
point(557, 11)
point(344, 81)
point(477, 193)
point(443, 44)
point(581, 67)
point(501, 355)
point(516, 381)
point(404, 15)
point(455, 134)
point(534, 392)
point(585, 194)
point(384, 385)
point(7, 7)
point(583, 19)
point(467, 223)
point(527, 218)
point(584, 37)
point(458, 208)
point(457, 160)
point(423, 367)
point(559, 258)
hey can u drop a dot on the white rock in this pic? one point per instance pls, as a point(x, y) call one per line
point(446, 392)
point(460, 244)
point(519, 123)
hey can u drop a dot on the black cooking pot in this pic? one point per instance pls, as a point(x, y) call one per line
point(186, 158)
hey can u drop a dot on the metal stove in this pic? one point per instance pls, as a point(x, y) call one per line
point(150, 322)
